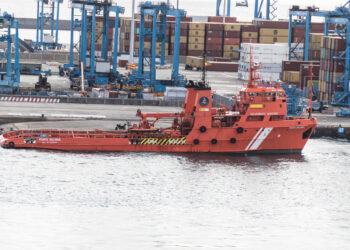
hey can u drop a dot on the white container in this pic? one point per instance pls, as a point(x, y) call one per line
point(123, 95)
point(264, 76)
point(200, 19)
point(100, 93)
point(257, 48)
point(267, 67)
point(48, 38)
point(103, 67)
point(148, 96)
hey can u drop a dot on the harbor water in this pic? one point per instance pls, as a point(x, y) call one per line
point(61, 200)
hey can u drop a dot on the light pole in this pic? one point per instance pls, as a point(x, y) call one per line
point(132, 33)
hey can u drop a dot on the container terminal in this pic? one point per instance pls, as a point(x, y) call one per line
point(147, 59)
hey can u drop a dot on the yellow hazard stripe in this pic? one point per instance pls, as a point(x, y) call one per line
point(170, 141)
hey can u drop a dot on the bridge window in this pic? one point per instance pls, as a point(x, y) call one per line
point(276, 117)
point(259, 94)
point(268, 94)
point(255, 118)
point(250, 93)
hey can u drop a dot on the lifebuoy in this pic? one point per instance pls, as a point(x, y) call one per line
point(233, 140)
point(214, 141)
point(239, 130)
point(195, 141)
point(203, 129)
point(11, 144)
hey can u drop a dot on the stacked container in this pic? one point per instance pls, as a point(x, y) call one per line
point(220, 19)
point(196, 39)
point(299, 32)
point(98, 34)
point(249, 33)
point(305, 78)
point(314, 49)
point(270, 56)
point(214, 39)
point(147, 40)
point(184, 29)
point(124, 37)
point(270, 36)
point(232, 40)
point(296, 72)
point(331, 68)
point(273, 31)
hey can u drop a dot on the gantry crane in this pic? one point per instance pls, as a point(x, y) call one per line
point(242, 3)
point(158, 33)
point(95, 69)
point(10, 77)
point(340, 17)
point(270, 8)
point(48, 13)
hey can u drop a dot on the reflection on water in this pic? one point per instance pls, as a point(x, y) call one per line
point(241, 160)
point(58, 200)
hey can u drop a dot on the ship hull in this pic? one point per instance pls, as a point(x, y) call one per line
point(253, 139)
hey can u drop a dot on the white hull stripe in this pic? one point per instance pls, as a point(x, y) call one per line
point(256, 135)
point(264, 134)
point(29, 99)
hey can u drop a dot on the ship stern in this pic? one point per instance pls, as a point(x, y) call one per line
point(3, 141)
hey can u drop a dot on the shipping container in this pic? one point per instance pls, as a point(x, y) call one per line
point(232, 41)
point(196, 40)
point(214, 40)
point(196, 47)
point(274, 32)
point(273, 24)
point(250, 35)
point(231, 47)
point(249, 28)
point(195, 52)
point(232, 27)
point(218, 19)
point(215, 26)
point(222, 66)
point(232, 34)
point(197, 26)
point(196, 33)
point(271, 39)
point(215, 33)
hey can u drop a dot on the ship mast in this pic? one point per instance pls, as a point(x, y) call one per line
point(310, 90)
point(253, 77)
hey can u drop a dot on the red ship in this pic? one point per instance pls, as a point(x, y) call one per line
point(257, 122)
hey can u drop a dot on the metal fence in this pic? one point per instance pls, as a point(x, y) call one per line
point(217, 99)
